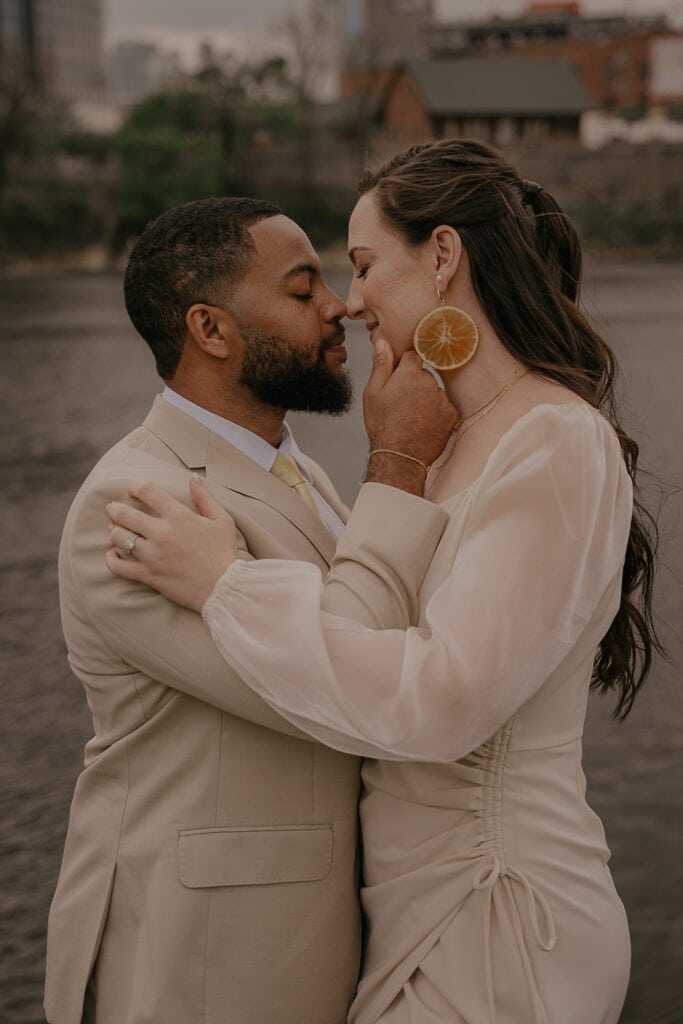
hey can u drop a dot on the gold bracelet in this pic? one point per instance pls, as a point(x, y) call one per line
point(402, 455)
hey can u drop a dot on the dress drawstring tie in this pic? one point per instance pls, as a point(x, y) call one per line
point(485, 879)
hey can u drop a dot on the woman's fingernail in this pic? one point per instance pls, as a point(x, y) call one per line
point(198, 478)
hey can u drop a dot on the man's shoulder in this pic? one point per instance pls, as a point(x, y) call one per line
point(138, 455)
point(140, 448)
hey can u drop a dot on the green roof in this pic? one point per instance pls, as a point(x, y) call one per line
point(499, 87)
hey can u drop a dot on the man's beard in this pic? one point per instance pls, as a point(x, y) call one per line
point(278, 374)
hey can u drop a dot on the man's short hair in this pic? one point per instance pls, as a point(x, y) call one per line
point(197, 252)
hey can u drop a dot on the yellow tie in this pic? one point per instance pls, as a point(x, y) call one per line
point(286, 469)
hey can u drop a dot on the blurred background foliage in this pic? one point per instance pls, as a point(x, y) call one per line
point(63, 188)
point(253, 129)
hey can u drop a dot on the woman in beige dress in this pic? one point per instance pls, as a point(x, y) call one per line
point(487, 894)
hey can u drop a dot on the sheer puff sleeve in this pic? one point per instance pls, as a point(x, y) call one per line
point(545, 536)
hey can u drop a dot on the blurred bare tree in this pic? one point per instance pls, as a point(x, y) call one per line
point(309, 34)
point(16, 108)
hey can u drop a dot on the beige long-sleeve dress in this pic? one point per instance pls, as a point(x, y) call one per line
point(487, 895)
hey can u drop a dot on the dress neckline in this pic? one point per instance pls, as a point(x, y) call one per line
point(446, 454)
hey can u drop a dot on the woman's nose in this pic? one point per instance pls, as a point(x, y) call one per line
point(354, 300)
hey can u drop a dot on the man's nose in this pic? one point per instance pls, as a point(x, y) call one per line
point(334, 307)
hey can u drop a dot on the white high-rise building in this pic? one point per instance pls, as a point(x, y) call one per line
point(137, 68)
point(351, 37)
point(56, 44)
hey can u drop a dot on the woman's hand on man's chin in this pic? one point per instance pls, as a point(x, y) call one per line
point(179, 552)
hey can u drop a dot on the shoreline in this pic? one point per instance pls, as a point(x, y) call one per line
point(98, 262)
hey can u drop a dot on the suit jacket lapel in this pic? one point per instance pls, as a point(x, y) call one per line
point(226, 466)
point(184, 436)
point(324, 486)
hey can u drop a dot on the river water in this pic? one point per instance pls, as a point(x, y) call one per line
point(75, 377)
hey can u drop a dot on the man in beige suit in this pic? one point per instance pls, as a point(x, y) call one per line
point(210, 867)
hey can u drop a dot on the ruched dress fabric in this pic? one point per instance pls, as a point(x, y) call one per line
point(487, 895)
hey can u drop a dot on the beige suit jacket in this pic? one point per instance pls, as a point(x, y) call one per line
point(210, 866)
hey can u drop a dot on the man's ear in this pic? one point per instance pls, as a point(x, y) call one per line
point(447, 251)
point(212, 329)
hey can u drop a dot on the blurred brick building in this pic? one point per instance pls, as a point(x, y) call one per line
point(619, 57)
point(512, 101)
point(553, 65)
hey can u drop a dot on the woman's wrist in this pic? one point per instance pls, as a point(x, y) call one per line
point(223, 580)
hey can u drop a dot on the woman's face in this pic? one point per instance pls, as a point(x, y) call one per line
point(393, 285)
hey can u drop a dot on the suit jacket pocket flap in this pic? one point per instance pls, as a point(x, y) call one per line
point(254, 856)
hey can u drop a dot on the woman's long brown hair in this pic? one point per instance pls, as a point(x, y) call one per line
point(525, 263)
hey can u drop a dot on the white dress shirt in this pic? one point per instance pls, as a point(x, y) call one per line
point(256, 448)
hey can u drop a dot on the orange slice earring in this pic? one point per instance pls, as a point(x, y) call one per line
point(447, 337)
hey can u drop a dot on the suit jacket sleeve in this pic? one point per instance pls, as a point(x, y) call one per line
point(173, 646)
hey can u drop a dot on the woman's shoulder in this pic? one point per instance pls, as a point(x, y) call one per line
point(547, 411)
point(561, 433)
point(559, 416)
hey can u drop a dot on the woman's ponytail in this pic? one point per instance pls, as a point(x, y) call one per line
point(556, 239)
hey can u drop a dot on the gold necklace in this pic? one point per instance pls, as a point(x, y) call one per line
point(482, 411)
point(478, 414)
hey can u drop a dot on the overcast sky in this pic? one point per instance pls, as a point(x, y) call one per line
point(179, 24)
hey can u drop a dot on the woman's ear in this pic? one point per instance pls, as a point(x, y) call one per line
point(212, 330)
point(447, 249)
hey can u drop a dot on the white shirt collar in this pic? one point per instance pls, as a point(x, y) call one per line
point(247, 441)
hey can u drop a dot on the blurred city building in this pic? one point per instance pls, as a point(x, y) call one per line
point(57, 48)
point(520, 101)
point(138, 68)
point(376, 36)
point(612, 52)
point(384, 32)
point(58, 44)
point(630, 69)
